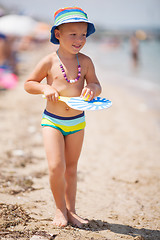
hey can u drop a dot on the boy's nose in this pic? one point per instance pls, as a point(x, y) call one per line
point(80, 38)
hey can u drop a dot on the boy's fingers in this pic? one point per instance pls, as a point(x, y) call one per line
point(90, 96)
point(50, 98)
point(56, 96)
point(53, 98)
point(83, 92)
point(87, 94)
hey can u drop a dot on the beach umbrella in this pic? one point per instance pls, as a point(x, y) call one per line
point(17, 25)
point(42, 30)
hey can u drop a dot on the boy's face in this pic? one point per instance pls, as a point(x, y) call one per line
point(72, 36)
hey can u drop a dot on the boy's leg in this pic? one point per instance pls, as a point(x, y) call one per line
point(54, 147)
point(73, 146)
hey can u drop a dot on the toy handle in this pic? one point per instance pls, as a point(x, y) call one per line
point(61, 98)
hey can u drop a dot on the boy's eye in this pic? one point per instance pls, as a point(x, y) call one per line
point(73, 34)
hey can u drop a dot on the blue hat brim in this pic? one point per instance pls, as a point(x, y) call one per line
point(90, 29)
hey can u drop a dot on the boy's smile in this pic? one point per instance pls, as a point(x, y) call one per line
point(76, 46)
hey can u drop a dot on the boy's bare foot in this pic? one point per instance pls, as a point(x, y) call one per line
point(75, 220)
point(60, 219)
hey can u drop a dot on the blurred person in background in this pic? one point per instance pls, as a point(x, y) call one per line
point(8, 63)
point(7, 54)
point(134, 50)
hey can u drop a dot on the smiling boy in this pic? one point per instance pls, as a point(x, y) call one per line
point(69, 73)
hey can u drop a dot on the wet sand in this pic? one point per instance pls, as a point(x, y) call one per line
point(118, 173)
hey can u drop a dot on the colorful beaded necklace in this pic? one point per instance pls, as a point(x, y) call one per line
point(64, 74)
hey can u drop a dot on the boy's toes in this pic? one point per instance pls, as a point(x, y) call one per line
point(60, 223)
point(60, 219)
point(76, 221)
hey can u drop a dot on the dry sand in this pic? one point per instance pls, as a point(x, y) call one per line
point(118, 174)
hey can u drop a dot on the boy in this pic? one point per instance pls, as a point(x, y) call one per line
point(63, 128)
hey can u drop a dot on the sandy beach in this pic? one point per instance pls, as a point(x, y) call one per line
point(118, 172)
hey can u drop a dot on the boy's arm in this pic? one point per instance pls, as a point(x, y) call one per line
point(33, 83)
point(93, 87)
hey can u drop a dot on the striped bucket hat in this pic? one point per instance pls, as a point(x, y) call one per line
point(69, 15)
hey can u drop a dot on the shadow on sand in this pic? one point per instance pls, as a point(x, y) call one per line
point(98, 225)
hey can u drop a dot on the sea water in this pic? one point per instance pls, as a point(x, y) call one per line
point(116, 60)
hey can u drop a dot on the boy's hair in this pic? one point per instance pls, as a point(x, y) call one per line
point(70, 15)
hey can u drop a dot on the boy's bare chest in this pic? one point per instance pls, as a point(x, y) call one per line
point(58, 81)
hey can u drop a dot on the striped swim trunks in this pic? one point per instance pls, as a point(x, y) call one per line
point(66, 125)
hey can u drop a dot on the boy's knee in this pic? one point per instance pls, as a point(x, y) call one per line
point(71, 170)
point(57, 169)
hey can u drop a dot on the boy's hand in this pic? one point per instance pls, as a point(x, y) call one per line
point(51, 93)
point(87, 94)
